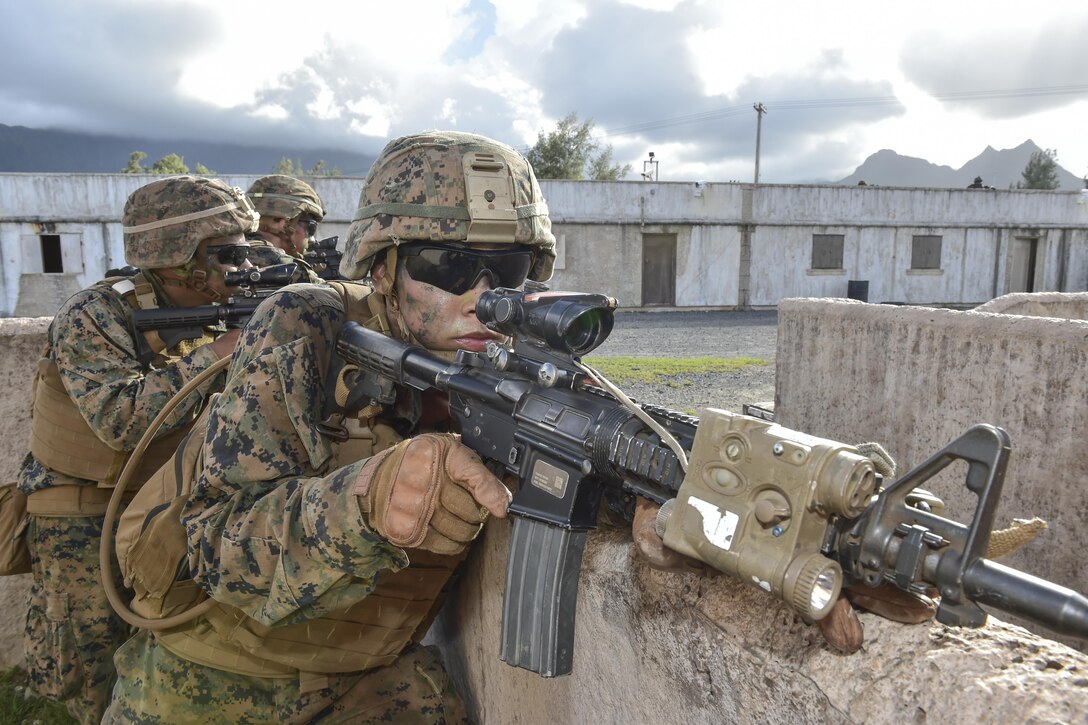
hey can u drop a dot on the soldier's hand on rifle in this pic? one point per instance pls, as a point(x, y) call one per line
point(843, 630)
point(225, 343)
point(650, 548)
point(429, 492)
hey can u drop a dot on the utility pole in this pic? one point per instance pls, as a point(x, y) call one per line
point(760, 110)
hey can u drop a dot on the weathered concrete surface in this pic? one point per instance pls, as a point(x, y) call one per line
point(656, 647)
point(21, 343)
point(660, 647)
point(915, 378)
point(1064, 305)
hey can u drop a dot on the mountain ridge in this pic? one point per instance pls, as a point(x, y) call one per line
point(1000, 169)
point(32, 150)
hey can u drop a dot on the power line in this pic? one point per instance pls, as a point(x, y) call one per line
point(817, 103)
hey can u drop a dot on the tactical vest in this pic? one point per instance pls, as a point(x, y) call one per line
point(152, 550)
point(61, 439)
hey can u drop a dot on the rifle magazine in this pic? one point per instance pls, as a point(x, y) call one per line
point(541, 596)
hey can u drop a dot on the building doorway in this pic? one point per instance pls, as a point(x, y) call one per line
point(1022, 264)
point(658, 270)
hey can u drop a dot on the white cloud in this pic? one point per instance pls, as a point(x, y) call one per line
point(343, 74)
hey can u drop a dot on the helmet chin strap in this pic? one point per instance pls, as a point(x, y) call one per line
point(199, 283)
point(292, 248)
point(386, 288)
point(194, 279)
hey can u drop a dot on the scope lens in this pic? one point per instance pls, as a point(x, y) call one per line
point(584, 331)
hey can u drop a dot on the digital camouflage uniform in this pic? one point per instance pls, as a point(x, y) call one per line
point(71, 630)
point(273, 537)
point(272, 531)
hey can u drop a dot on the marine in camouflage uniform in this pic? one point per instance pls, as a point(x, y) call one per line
point(95, 380)
point(290, 211)
point(298, 538)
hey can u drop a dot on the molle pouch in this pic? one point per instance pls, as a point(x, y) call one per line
point(14, 554)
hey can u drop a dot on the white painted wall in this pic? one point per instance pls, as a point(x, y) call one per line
point(602, 225)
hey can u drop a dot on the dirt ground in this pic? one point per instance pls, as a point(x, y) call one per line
point(699, 334)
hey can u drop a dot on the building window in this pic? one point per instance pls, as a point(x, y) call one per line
point(52, 260)
point(925, 252)
point(827, 251)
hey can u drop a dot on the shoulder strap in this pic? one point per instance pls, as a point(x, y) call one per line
point(362, 305)
point(139, 294)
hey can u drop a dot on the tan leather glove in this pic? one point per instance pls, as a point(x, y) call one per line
point(841, 627)
point(650, 548)
point(843, 630)
point(429, 492)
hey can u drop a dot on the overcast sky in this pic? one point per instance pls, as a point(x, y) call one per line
point(840, 80)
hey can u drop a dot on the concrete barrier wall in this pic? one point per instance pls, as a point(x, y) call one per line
point(915, 378)
point(678, 648)
point(21, 343)
point(1063, 305)
point(655, 647)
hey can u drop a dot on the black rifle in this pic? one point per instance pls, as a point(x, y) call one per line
point(175, 324)
point(324, 258)
point(790, 513)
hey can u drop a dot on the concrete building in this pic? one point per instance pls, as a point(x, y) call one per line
point(650, 244)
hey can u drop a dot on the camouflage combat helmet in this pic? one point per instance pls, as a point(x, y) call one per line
point(285, 197)
point(166, 220)
point(441, 186)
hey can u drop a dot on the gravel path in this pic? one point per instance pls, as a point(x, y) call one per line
point(699, 334)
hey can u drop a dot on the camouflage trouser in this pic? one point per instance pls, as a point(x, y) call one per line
point(156, 686)
point(71, 630)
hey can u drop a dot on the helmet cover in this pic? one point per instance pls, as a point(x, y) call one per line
point(443, 186)
point(165, 221)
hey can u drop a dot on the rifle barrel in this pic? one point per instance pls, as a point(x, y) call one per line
point(1060, 609)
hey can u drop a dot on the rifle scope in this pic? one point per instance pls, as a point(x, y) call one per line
point(275, 276)
point(571, 322)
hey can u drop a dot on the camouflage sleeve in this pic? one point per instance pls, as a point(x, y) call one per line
point(99, 365)
point(270, 532)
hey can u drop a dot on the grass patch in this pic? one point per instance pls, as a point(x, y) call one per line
point(625, 370)
point(16, 707)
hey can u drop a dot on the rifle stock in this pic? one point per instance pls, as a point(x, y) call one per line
point(786, 512)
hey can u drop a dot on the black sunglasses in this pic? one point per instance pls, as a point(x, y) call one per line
point(233, 255)
point(458, 269)
point(309, 225)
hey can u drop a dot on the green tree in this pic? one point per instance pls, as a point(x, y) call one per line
point(571, 152)
point(601, 167)
point(134, 165)
point(168, 165)
point(294, 168)
point(320, 170)
point(1041, 171)
point(288, 167)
